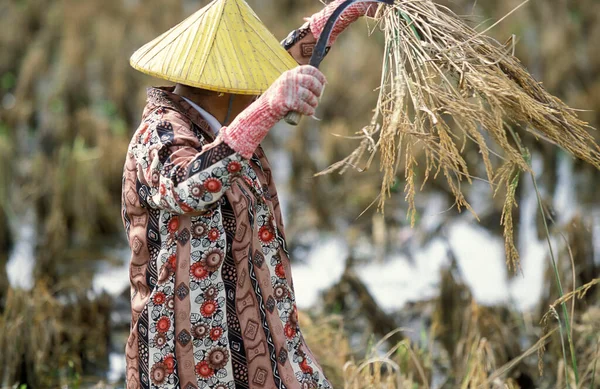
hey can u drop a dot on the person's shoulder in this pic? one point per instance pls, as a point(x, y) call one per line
point(163, 112)
point(172, 128)
point(168, 123)
point(165, 116)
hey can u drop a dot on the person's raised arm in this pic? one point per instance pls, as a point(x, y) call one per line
point(177, 174)
point(300, 43)
point(296, 90)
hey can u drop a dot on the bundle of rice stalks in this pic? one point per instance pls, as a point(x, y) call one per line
point(445, 84)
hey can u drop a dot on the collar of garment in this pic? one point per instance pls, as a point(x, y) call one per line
point(164, 97)
point(214, 124)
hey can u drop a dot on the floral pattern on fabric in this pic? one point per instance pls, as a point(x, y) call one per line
point(285, 303)
point(180, 189)
point(212, 300)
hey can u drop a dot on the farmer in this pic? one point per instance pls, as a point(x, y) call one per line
point(211, 290)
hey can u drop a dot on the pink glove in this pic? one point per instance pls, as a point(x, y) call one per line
point(297, 90)
point(350, 15)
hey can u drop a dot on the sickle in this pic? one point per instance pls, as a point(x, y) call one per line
point(293, 118)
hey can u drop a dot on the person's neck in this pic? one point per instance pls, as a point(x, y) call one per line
point(215, 104)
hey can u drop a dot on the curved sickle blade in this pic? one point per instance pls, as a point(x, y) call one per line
point(321, 46)
point(293, 118)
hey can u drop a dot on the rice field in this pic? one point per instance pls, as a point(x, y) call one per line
point(69, 103)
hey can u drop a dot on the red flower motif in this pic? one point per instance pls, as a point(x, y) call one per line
point(212, 185)
point(204, 370)
point(265, 234)
point(198, 271)
point(147, 137)
point(173, 224)
point(305, 367)
point(213, 235)
point(159, 298)
point(289, 330)
point(208, 308)
point(172, 262)
point(185, 207)
point(280, 270)
point(216, 333)
point(163, 324)
point(163, 189)
point(234, 167)
point(169, 363)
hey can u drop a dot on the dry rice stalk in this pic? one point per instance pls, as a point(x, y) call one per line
point(444, 83)
point(578, 293)
point(509, 174)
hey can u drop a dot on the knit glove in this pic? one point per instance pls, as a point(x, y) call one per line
point(297, 90)
point(349, 16)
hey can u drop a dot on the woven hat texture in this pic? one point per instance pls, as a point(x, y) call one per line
point(223, 47)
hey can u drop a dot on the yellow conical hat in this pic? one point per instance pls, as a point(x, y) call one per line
point(223, 47)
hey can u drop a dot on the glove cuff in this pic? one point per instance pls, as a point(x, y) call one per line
point(249, 128)
point(350, 15)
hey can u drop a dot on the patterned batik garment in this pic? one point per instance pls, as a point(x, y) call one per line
point(212, 296)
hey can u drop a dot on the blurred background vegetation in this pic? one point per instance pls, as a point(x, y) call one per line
point(69, 103)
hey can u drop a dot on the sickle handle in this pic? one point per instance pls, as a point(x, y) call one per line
point(293, 118)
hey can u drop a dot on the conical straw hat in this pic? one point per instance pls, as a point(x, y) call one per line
point(223, 47)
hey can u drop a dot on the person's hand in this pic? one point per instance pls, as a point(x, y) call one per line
point(296, 90)
point(350, 15)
